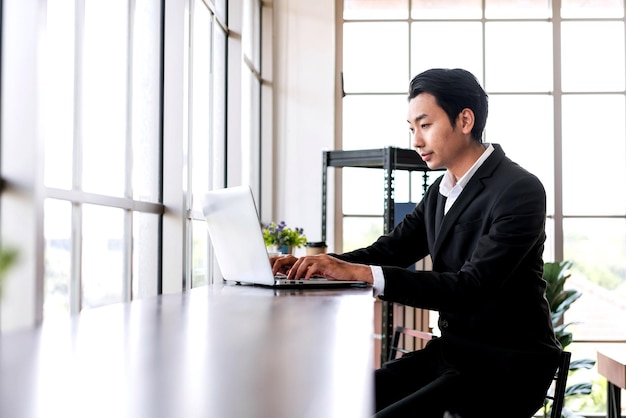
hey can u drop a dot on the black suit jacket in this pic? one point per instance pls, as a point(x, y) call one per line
point(486, 281)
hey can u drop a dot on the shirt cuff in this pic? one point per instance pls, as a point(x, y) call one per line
point(379, 280)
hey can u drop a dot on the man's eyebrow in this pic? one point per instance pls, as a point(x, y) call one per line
point(418, 118)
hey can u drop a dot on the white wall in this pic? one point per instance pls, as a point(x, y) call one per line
point(304, 109)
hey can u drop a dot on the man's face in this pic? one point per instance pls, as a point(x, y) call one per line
point(433, 137)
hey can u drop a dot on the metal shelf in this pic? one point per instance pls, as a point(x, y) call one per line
point(388, 159)
point(398, 158)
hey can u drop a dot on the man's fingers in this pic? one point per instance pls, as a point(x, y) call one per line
point(308, 266)
point(282, 264)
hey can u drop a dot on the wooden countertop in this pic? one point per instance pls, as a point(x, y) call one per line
point(218, 352)
point(612, 365)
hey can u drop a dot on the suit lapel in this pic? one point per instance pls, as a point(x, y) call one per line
point(475, 186)
point(441, 203)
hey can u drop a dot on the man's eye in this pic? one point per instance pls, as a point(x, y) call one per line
point(424, 125)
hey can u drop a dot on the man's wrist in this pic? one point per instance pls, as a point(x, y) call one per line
point(379, 279)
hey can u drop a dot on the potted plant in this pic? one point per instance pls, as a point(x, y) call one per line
point(280, 238)
point(560, 299)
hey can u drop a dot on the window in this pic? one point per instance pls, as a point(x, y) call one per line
point(204, 36)
point(101, 106)
point(224, 149)
point(120, 114)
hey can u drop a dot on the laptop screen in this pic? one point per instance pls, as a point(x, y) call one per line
point(236, 235)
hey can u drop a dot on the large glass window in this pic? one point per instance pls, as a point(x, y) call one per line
point(210, 154)
point(102, 112)
point(138, 106)
point(200, 131)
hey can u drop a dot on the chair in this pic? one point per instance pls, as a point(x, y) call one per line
point(556, 393)
point(560, 383)
point(397, 346)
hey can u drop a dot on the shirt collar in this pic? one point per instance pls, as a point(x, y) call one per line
point(447, 184)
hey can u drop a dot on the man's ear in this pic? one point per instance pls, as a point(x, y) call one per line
point(466, 120)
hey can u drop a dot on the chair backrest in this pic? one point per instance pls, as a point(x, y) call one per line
point(560, 383)
point(398, 346)
point(556, 393)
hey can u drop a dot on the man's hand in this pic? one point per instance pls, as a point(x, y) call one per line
point(282, 263)
point(321, 265)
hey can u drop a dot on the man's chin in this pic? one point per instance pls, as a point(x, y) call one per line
point(432, 165)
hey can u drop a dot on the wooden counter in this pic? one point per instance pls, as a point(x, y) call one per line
point(222, 352)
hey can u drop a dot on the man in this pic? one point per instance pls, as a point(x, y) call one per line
point(482, 223)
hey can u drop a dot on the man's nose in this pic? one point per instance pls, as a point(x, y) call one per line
point(416, 141)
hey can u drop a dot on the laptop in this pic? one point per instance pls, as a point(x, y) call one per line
point(237, 238)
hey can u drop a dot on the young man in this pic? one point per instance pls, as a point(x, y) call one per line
point(482, 223)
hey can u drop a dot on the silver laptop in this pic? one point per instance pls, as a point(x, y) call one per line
point(237, 239)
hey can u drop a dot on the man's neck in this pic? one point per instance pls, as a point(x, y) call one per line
point(473, 154)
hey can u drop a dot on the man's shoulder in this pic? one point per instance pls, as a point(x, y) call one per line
point(499, 162)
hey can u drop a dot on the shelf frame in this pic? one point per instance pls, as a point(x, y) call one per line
point(388, 159)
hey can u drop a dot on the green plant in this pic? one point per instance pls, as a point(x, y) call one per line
point(279, 235)
point(7, 258)
point(560, 299)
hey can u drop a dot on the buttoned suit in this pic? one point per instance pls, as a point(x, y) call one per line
point(486, 283)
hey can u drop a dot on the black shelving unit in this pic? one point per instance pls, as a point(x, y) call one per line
point(388, 159)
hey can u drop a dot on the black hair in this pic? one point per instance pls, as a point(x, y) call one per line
point(454, 89)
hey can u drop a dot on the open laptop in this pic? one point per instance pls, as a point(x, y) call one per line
point(237, 239)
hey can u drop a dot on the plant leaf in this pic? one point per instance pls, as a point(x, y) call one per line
point(565, 339)
point(7, 257)
point(586, 363)
point(563, 300)
point(578, 389)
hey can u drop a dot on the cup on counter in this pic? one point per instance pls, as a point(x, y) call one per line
point(314, 248)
